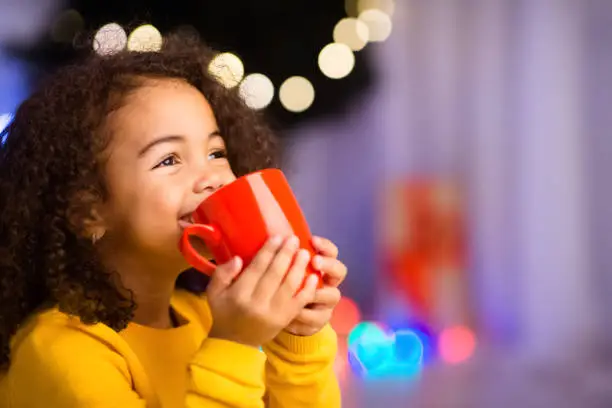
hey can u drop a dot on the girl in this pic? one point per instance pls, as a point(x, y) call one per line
point(98, 174)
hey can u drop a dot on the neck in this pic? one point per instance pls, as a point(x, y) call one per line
point(152, 287)
point(153, 306)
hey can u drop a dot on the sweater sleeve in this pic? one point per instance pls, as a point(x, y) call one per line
point(226, 374)
point(300, 371)
point(65, 368)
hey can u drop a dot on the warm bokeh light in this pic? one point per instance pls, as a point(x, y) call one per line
point(354, 7)
point(456, 344)
point(67, 25)
point(341, 364)
point(346, 316)
point(257, 91)
point(336, 60)
point(386, 6)
point(227, 68)
point(145, 38)
point(379, 24)
point(352, 32)
point(109, 39)
point(296, 94)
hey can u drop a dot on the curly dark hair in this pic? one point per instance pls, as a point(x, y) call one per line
point(51, 167)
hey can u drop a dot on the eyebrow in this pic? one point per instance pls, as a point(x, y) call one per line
point(170, 139)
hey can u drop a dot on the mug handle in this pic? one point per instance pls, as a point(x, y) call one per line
point(207, 233)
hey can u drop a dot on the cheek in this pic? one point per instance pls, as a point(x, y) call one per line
point(161, 205)
point(146, 208)
point(228, 175)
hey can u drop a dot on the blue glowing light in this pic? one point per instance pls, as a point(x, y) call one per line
point(5, 119)
point(408, 348)
point(368, 331)
point(374, 353)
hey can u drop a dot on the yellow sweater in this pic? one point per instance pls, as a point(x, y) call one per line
point(58, 362)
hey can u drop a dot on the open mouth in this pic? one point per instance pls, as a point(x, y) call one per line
point(186, 220)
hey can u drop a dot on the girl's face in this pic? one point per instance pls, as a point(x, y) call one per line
point(166, 157)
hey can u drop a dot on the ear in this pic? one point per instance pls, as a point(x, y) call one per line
point(85, 215)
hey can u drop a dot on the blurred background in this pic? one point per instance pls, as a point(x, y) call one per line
point(457, 151)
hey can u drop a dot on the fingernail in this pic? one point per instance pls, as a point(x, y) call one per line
point(305, 254)
point(276, 240)
point(317, 262)
point(293, 242)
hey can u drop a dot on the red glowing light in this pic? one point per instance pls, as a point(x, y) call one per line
point(346, 316)
point(456, 344)
point(341, 362)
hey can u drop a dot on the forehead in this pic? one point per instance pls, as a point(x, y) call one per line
point(161, 107)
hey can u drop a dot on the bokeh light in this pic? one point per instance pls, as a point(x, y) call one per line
point(386, 6)
point(346, 315)
point(227, 68)
point(408, 348)
point(109, 39)
point(379, 24)
point(369, 347)
point(296, 94)
point(145, 38)
point(257, 91)
point(352, 32)
point(354, 7)
point(370, 332)
point(5, 119)
point(456, 344)
point(374, 352)
point(341, 364)
point(336, 60)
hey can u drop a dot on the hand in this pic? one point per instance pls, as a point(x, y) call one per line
point(317, 314)
point(251, 307)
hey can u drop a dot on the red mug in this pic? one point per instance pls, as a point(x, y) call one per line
point(239, 218)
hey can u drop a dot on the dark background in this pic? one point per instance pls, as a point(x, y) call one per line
point(279, 38)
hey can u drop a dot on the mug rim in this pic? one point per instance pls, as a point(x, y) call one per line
point(227, 186)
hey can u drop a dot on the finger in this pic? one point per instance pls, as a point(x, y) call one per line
point(259, 265)
point(278, 269)
point(310, 317)
point(223, 276)
point(301, 329)
point(333, 270)
point(325, 246)
point(327, 297)
point(295, 277)
point(306, 295)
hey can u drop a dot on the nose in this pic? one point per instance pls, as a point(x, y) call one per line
point(208, 184)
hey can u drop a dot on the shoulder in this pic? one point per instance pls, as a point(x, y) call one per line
point(62, 358)
point(51, 339)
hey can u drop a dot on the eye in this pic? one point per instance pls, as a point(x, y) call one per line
point(171, 160)
point(218, 154)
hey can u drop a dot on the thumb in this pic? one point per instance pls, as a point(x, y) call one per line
point(307, 294)
point(223, 276)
